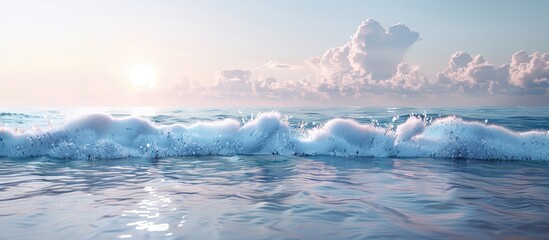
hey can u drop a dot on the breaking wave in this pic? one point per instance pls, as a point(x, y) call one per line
point(101, 136)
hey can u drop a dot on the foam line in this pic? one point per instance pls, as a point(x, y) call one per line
point(100, 136)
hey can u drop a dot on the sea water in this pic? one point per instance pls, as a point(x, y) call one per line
point(274, 173)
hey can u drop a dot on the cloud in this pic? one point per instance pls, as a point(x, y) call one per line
point(407, 78)
point(239, 82)
point(376, 51)
point(372, 50)
point(370, 64)
point(333, 61)
point(466, 74)
point(524, 75)
point(342, 84)
point(530, 72)
point(277, 65)
point(233, 82)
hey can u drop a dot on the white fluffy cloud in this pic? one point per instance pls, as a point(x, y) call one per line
point(372, 50)
point(371, 64)
point(472, 75)
point(407, 78)
point(375, 51)
point(530, 72)
point(525, 75)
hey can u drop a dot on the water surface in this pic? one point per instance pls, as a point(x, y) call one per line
point(264, 196)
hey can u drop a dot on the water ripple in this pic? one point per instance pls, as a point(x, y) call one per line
point(273, 197)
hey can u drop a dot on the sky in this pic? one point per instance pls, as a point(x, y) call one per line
point(274, 53)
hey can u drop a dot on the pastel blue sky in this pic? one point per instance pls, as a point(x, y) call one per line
point(89, 47)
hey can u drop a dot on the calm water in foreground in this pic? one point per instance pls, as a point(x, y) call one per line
point(265, 197)
point(275, 197)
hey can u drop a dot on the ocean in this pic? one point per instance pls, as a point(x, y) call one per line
point(274, 173)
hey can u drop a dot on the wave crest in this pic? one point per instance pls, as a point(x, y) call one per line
point(101, 136)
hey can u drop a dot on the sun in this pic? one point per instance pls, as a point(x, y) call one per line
point(143, 77)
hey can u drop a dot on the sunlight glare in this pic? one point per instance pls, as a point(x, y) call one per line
point(143, 77)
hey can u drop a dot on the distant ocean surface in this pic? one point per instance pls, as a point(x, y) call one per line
point(274, 173)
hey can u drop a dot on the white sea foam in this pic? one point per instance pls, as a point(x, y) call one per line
point(100, 136)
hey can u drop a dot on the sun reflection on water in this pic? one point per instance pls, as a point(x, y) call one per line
point(150, 209)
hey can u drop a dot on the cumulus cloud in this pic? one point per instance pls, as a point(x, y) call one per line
point(407, 78)
point(472, 75)
point(372, 50)
point(375, 51)
point(341, 85)
point(371, 63)
point(530, 72)
point(465, 74)
point(333, 61)
point(525, 75)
